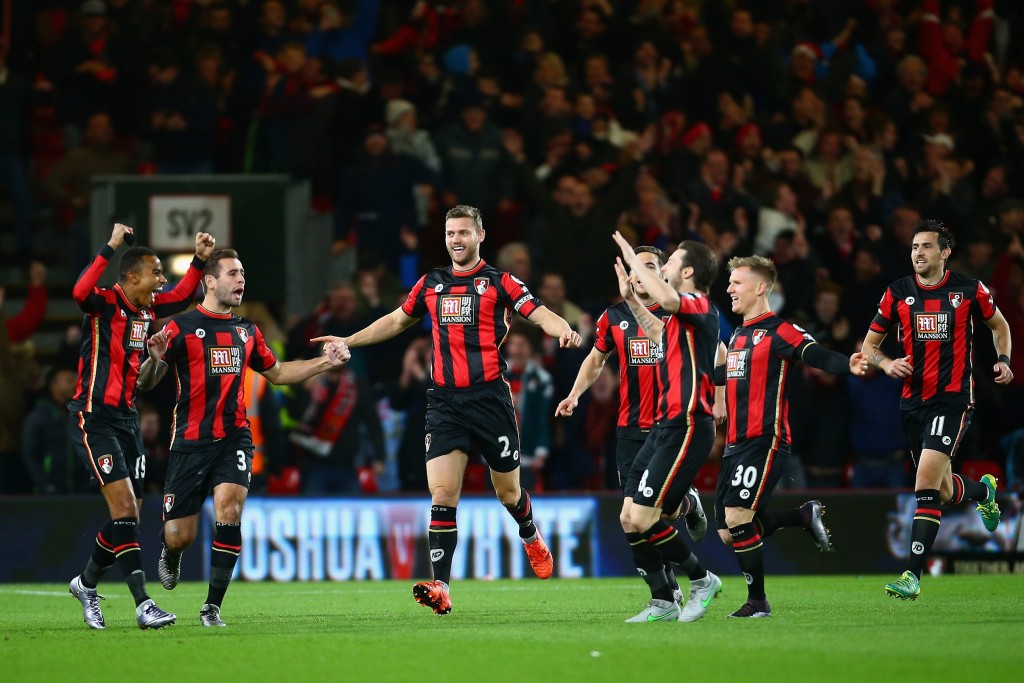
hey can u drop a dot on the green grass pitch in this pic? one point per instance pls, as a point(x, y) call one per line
point(965, 628)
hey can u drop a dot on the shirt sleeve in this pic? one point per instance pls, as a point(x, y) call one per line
point(886, 316)
point(173, 341)
point(262, 358)
point(517, 295)
point(602, 337)
point(179, 298)
point(415, 305)
point(693, 307)
point(85, 293)
point(986, 304)
point(791, 340)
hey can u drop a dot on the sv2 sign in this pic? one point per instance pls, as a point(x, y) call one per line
point(174, 220)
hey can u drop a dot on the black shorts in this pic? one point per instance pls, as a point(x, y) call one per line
point(626, 449)
point(749, 473)
point(481, 416)
point(665, 467)
point(111, 448)
point(935, 427)
point(192, 475)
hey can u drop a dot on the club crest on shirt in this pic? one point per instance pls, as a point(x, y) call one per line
point(225, 360)
point(480, 284)
point(105, 463)
point(956, 298)
point(168, 502)
point(643, 351)
point(758, 336)
point(243, 334)
point(137, 334)
point(455, 310)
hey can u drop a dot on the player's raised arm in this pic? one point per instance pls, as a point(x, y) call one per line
point(656, 286)
point(651, 324)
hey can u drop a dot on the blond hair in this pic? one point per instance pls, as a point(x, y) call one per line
point(758, 265)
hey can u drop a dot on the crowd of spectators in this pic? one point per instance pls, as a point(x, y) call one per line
point(816, 132)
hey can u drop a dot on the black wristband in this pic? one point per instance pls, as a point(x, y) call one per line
point(1003, 358)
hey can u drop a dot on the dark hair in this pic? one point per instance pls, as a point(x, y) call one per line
point(704, 263)
point(131, 261)
point(212, 267)
point(465, 211)
point(646, 249)
point(946, 239)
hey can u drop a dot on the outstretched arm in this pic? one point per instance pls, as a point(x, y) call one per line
point(555, 326)
point(335, 353)
point(834, 362)
point(590, 370)
point(380, 330)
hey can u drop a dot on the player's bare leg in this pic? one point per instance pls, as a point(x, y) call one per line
point(444, 480)
point(228, 501)
point(517, 501)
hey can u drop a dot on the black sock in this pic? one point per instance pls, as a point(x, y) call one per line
point(443, 537)
point(124, 536)
point(650, 566)
point(969, 489)
point(927, 518)
point(522, 512)
point(673, 548)
point(670, 576)
point(102, 557)
point(746, 542)
point(769, 522)
point(227, 544)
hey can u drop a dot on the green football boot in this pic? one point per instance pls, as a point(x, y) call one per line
point(990, 509)
point(907, 587)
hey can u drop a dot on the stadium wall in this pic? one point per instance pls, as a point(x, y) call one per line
point(368, 539)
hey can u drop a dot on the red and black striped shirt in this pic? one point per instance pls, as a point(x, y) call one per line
point(209, 353)
point(114, 336)
point(936, 329)
point(619, 333)
point(757, 385)
point(687, 369)
point(470, 315)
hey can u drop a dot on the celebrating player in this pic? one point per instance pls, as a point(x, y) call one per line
point(684, 428)
point(103, 415)
point(618, 332)
point(211, 447)
point(469, 404)
point(757, 437)
point(936, 310)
